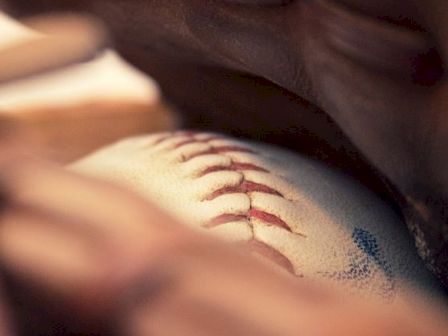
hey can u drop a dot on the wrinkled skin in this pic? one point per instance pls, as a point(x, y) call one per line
point(268, 69)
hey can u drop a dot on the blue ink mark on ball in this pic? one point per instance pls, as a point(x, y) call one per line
point(368, 243)
point(364, 262)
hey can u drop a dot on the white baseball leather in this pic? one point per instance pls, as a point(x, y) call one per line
point(293, 211)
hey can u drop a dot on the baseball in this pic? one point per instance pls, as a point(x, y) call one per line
point(295, 213)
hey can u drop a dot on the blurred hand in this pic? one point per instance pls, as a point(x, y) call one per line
point(69, 239)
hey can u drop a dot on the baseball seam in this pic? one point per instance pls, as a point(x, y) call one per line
point(246, 187)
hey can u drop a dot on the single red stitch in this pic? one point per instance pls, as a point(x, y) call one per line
point(247, 166)
point(244, 188)
point(184, 143)
point(193, 140)
point(189, 134)
point(214, 169)
point(226, 190)
point(269, 218)
point(249, 186)
point(272, 254)
point(221, 150)
point(234, 166)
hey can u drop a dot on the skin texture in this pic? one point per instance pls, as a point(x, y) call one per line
point(349, 80)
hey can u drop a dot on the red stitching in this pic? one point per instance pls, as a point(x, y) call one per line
point(184, 143)
point(252, 213)
point(234, 166)
point(220, 150)
point(190, 141)
point(245, 187)
point(269, 218)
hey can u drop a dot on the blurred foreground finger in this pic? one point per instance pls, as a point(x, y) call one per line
point(59, 41)
point(80, 243)
point(219, 293)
